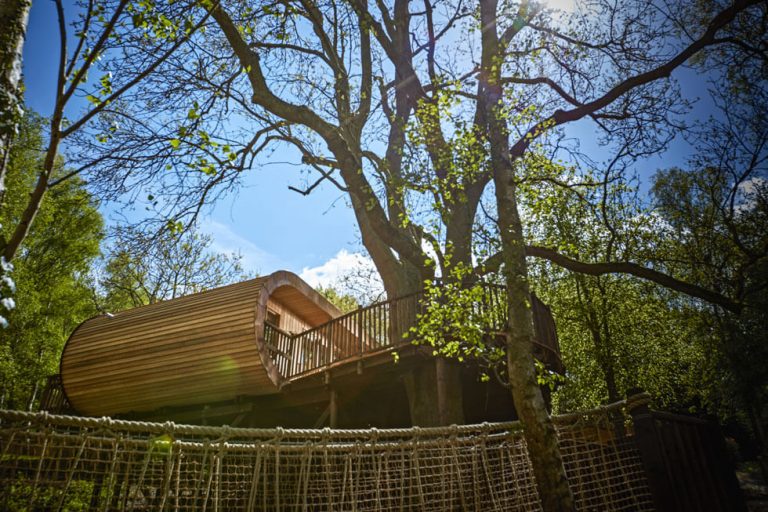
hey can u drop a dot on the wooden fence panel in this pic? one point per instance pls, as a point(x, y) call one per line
point(686, 462)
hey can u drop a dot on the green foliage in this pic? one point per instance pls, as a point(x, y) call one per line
point(615, 332)
point(143, 269)
point(717, 232)
point(343, 301)
point(52, 293)
point(77, 497)
point(458, 320)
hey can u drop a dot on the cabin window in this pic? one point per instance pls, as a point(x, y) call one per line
point(273, 319)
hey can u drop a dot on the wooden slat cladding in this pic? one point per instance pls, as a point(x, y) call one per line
point(289, 320)
point(202, 348)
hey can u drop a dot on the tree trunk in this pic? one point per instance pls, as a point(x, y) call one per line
point(13, 18)
point(435, 395)
point(541, 438)
point(382, 236)
point(529, 402)
point(33, 396)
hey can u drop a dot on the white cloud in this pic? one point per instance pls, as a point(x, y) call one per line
point(352, 273)
point(749, 192)
point(567, 6)
point(753, 185)
point(336, 268)
point(226, 241)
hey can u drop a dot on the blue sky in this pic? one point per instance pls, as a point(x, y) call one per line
point(272, 227)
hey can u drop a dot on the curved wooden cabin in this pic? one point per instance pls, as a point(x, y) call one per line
point(202, 348)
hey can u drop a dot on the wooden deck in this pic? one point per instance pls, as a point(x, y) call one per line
point(383, 327)
point(296, 362)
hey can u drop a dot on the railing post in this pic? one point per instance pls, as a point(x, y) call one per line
point(360, 329)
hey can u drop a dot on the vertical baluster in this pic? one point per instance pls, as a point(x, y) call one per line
point(280, 356)
point(340, 339)
point(300, 346)
point(321, 338)
point(288, 348)
point(350, 325)
point(286, 353)
point(317, 338)
point(298, 355)
point(292, 358)
point(311, 349)
point(311, 345)
point(385, 326)
point(393, 322)
point(309, 361)
point(372, 326)
point(380, 324)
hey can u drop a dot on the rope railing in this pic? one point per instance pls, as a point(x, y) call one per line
point(382, 326)
point(51, 462)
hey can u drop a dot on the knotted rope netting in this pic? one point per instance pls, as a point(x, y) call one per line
point(74, 463)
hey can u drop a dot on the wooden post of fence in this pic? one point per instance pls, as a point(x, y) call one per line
point(722, 466)
point(333, 409)
point(646, 440)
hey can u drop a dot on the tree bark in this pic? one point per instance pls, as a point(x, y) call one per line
point(13, 18)
point(382, 235)
point(541, 438)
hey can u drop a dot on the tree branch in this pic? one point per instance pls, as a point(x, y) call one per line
point(560, 117)
point(620, 267)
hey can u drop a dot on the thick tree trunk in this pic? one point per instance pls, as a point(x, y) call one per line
point(435, 395)
point(13, 20)
point(382, 235)
point(541, 438)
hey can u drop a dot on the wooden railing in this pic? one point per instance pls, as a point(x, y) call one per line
point(365, 330)
point(53, 398)
point(279, 344)
point(382, 326)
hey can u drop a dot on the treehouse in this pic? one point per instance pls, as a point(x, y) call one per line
point(271, 351)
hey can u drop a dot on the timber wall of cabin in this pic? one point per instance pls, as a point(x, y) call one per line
point(197, 349)
point(289, 321)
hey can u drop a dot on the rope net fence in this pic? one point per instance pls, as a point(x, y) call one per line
point(73, 463)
